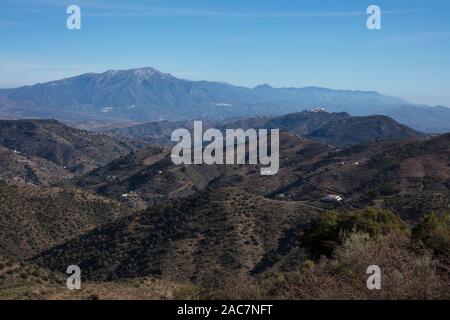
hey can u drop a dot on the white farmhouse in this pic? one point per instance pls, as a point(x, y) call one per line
point(332, 198)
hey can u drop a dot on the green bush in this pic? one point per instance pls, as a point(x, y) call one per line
point(433, 230)
point(407, 272)
point(332, 227)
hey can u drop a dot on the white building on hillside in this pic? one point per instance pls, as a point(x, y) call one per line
point(332, 198)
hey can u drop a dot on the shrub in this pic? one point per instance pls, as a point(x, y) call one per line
point(433, 230)
point(407, 272)
point(331, 228)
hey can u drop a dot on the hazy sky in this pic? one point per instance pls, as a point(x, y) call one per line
point(244, 42)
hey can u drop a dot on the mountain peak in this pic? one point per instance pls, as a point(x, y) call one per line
point(140, 73)
point(135, 70)
point(263, 86)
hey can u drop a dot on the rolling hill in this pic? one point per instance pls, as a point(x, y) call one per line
point(212, 233)
point(33, 219)
point(356, 130)
point(45, 151)
point(241, 219)
point(141, 227)
point(410, 177)
point(148, 176)
point(388, 174)
point(156, 132)
point(18, 169)
point(337, 129)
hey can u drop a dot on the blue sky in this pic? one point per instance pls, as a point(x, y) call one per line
point(244, 42)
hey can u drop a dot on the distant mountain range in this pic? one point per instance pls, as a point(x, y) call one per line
point(149, 95)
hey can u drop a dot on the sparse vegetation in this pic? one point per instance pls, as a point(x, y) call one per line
point(433, 230)
point(332, 228)
point(225, 232)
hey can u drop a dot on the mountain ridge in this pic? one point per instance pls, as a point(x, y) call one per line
point(307, 123)
point(227, 228)
point(146, 94)
point(42, 152)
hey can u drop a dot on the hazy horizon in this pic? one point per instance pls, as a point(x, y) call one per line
point(281, 43)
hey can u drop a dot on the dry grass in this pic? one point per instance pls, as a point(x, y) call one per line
point(408, 272)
